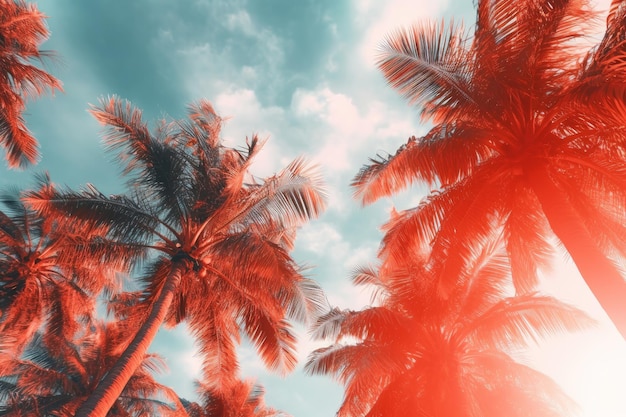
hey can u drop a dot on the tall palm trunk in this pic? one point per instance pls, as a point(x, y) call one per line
point(601, 275)
point(112, 385)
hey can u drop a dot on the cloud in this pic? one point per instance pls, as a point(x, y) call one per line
point(322, 239)
point(347, 129)
point(325, 126)
point(240, 21)
point(228, 50)
point(346, 134)
point(245, 116)
point(335, 109)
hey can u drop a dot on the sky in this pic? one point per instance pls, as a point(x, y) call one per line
point(302, 74)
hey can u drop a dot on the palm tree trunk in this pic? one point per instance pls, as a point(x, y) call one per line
point(112, 385)
point(601, 275)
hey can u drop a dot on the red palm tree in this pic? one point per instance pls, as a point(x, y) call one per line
point(218, 242)
point(49, 274)
point(22, 30)
point(528, 141)
point(241, 399)
point(413, 354)
point(55, 375)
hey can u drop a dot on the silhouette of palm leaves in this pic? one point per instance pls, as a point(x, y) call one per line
point(215, 239)
point(414, 354)
point(22, 30)
point(528, 141)
point(55, 375)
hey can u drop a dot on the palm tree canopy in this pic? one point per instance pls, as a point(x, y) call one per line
point(50, 272)
point(528, 139)
point(22, 30)
point(242, 399)
point(54, 376)
point(413, 354)
point(193, 203)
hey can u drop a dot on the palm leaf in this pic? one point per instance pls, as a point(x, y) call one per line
point(272, 338)
point(289, 198)
point(527, 240)
point(305, 300)
point(502, 383)
point(385, 176)
point(22, 29)
point(426, 64)
point(125, 218)
point(216, 334)
point(516, 321)
point(344, 361)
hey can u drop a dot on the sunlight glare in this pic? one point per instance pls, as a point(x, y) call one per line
point(590, 365)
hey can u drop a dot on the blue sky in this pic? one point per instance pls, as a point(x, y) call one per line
point(301, 73)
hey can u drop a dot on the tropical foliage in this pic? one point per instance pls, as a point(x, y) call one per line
point(49, 274)
point(216, 239)
point(528, 140)
point(413, 354)
point(22, 30)
point(54, 376)
point(527, 144)
point(241, 399)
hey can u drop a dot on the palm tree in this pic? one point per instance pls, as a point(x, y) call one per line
point(22, 30)
point(55, 375)
point(242, 399)
point(219, 241)
point(49, 274)
point(528, 134)
point(414, 354)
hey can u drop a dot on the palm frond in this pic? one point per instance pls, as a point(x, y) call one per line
point(413, 230)
point(305, 300)
point(399, 397)
point(328, 326)
point(22, 29)
point(10, 234)
point(273, 339)
point(127, 219)
point(237, 172)
point(125, 129)
point(601, 72)
point(527, 237)
point(291, 197)
point(216, 334)
point(517, 321)
point(489, 283)
point(385, 176)
point(369, 276)
point(18, 324)
point(428, 64)
point(468, 226)
point(204, 131)
point(241, 261)
point(374, 323)
point(511, 384)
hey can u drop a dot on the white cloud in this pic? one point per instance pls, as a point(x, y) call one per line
point(245, 116)
point(348, 128)
point(322, 239)
point(304, 103)
point(335, 109)
point(346, 135)
point(248, 55)
point(249, 72)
